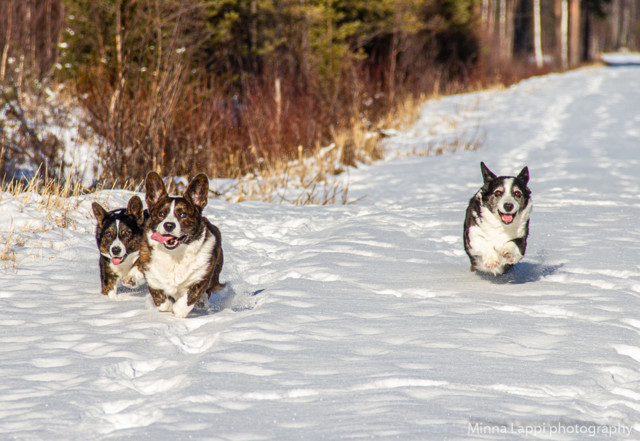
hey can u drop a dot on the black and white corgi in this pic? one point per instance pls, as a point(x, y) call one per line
point(119, 234)
point(181, 256)
point(496, 226)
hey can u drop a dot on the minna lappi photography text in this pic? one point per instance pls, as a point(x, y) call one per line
point(536, 429)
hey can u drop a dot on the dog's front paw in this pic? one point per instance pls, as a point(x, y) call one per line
point(166, 306)
point(510, 254)
point(508, 257)
point(134, 278)
point(181, 308)
point(491, 262)
point(129, 282)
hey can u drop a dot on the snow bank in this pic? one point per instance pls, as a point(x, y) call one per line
point(621, 58)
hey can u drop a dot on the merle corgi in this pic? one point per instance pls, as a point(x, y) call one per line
point(181, 256)
point(119, 234)
point(496, 226)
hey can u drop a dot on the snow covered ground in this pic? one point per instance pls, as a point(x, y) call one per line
point(361, 321)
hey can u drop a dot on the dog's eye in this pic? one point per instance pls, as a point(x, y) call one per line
point(108, 234)
point(162, 214)
point(126, 233)
point(517, 194)
point(498, 193)
point(182, 215)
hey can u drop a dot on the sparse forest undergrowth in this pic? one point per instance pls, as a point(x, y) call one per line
point(256, 91)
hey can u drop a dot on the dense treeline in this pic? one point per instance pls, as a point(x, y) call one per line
point(226, 86)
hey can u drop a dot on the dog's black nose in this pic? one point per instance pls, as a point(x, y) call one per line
point(116, 251)
point(508, 207)
point(169, 226)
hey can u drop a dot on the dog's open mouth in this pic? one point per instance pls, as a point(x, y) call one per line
point(118, 260)
point(170, 242)
point(507, 218)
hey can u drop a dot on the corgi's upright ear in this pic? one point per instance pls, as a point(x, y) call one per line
point(99, 212)
point(155, 189)
point(487, 175)
point(198, 190)
point(134, 208)
point(524, 175)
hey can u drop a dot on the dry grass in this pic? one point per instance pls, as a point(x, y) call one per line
point(291, 183)
point(317, 179)
point(52, 190)
point(8, 256)
point(406, 113)
point(15, 239)
point(57, 199)
point(321, 177)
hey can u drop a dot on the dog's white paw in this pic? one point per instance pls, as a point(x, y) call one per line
point(491, 264)
point(129, 282)
point(510, 254)
point(113, 294)
point(508, 257)
point(491, 261)
point(133, 278)
point(166, 306)
point(180, 307)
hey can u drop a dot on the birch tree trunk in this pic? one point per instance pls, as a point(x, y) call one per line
point(537, 40)
point(502, 28)
point(485, 14)
point(118, 25)
point(564, 34)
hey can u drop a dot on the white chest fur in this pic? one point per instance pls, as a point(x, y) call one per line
point(490, 239)
point(174, 271)
point(490, 228)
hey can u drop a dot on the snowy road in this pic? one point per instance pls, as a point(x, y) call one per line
point(366, 322)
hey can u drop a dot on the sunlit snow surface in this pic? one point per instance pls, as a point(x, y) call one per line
point(361, 321)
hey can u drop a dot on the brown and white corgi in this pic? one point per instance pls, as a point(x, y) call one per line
point(181, 256)
point(496, 225)
point(119, 234)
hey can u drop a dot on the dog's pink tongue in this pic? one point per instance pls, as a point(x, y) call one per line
point(508, 218)
point(117, 260)
point(160, 238)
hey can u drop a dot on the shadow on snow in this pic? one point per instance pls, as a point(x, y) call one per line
point(226, 298)
point(524, 272)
